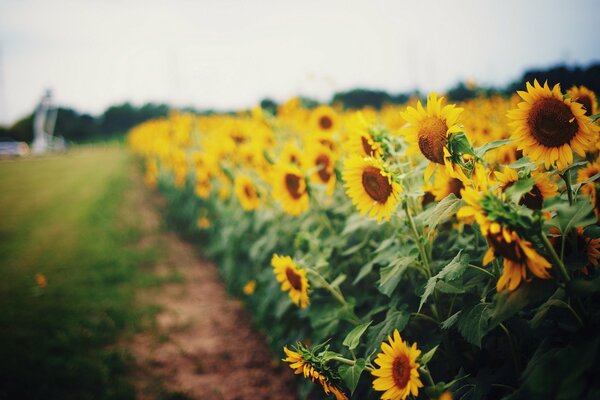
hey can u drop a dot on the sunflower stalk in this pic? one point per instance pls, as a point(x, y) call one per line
point(557, 261)
point(567, 178)
point(335, 292)
point(351, 363)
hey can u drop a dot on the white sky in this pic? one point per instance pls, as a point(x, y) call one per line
point(230, 54)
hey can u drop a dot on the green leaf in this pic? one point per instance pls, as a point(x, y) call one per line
point(451, 320)
point(519, 188)
point(448, 288)
point(522, 162)
point(351, 374)
point(443, 211)
point(425, 358)
point(353, 338)
point(574, 165)
point(507, 304)
point(540, 314)
point(595, 117)
point(569, 217)
point(475, 323)
point(452, 271)
point(390, 276)
point(578, 186)
point(583, 287)
point(395, 319)
point(481, 151)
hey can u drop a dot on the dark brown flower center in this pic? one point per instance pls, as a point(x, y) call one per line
point(292, 183)
point(325, 122)
point(327, 143)
point(249, 191)
point(376, 185)
point(503, 249)
point(294, 279)
point(401, 371)
point(551, 122)
point(369, 150)
point(455, 186)
point(533, 199)
point(322, 162)
point(294, 159)
point(432, 139)
point(586, 102)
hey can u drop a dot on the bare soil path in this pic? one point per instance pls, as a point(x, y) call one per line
point(202, 345)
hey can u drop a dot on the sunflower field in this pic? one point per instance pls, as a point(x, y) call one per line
point(429, 250)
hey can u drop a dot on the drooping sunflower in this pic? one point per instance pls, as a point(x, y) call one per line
point(292, 279)
point(398, 372)
point(430, 128)
point(322, 160)
point(324, 119)
point(247, 192)
point(289, 188)
point(519, 255)
point(548, 128)
point(543, 188)
point(586, 98)
point(302, 362)
point(360, 138)
point(371, 188)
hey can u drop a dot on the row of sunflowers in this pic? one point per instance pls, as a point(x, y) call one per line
point(429, 250)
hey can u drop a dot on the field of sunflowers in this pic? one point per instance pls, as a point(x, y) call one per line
point(429, 250)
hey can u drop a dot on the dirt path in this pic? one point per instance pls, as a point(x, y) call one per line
point(202, 346)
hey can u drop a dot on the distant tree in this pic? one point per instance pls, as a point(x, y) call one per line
point(269, 105)
point(22, 130)
point(360, 98)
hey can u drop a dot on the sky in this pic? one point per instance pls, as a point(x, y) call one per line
point(230, 54)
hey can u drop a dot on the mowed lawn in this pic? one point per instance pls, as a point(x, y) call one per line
point(70, 218)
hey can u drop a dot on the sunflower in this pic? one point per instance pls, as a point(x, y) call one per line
point(443, 185)
point(289, 188)
point(360, 138)
point(430, 128)
point(151, 175)
point(586, 98)
point(291, 154)
point(322, 160)
point(302, 363)
point(371, 187)
point(247, 192)
point(590, 189)
point(291, 278)
point(543, 188)
point(519, 254)
point(203, 185)
point(549, 128)
point(398, 375)
point(324, 119)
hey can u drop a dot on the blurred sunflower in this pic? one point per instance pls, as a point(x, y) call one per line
point(549, 128)
point(443, 185)
point(360, 139)
point(302, 362)
point(586, 98)
point(291, 154)
point(590, 189)
point(203, 185)
point(543, 188)
point(289, 188)
point(430, 128)
point(371, 187)
point(247, 192)
point(324, 119)
point(519, 254)
point(249, 287)
point(398, 372)
point(322, 160)
point(292, 279)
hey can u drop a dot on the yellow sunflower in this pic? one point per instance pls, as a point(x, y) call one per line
point(549, 128)
point(430, 128)
point(519, 254)
point(292, 279)
point(324, 119)
point(302, 366)
point(247, 192)
point(586, 98)
point(360, 139)
point(289, 188)
point(443, 185)
point(543, 188)
point(203, 185)
point(590, 189)
point(151, 175)
point(371, 187)
point(291, 154)
point(322, 160)
point(398, 372)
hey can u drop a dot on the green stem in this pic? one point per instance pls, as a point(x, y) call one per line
point(427, 375)
point(335, 292)
point(567, 179)
point(413, 230)
point(513, 350)
point(424, 316)
point(561, 266)
point(349, 362)
point(482, 270)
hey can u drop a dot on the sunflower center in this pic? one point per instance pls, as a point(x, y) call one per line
point(586, 102)
point(455, 186)
point(322, 162)
point(376, 185)
point(502, 248)
point(292, 183)
point(533, 199)
point(551, 122)
point(294, 279)
point(249, 191)
point(432, 139)
point(369, 150)
point(401, 371)
point(325, 122)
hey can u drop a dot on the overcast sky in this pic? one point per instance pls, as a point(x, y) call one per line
point(230, 54)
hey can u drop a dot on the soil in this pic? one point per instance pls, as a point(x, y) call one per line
point(202, 345)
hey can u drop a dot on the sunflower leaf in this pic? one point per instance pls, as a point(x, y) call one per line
point(578, 186)
point(353, 338)
point(521, 187)
point(425, 358)
point(390, 275)
point(569, 217)
point(481, 151)
point(443, 211)
point(350, 374)
point(395, 319)
point(474, 323)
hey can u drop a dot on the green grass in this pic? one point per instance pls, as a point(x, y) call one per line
point(69, 217)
